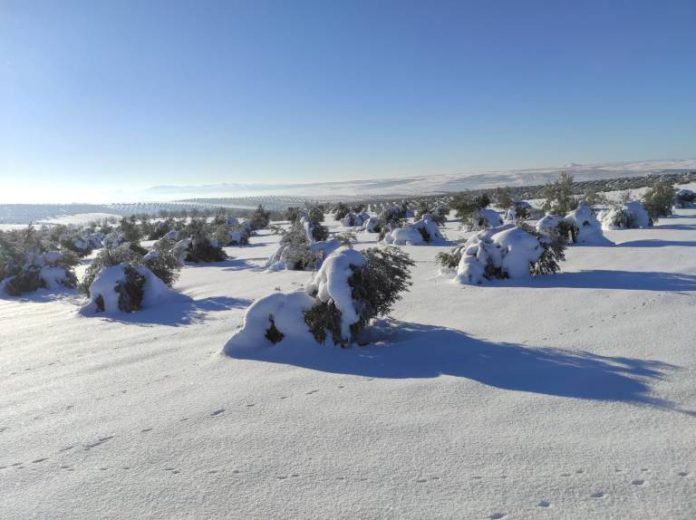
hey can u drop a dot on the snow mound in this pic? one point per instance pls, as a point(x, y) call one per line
point(549, 224)
point(282, 311)
point(105, 288)
point(629, 215)
point(507, 252)
point(588, 230)
point(423, 231)
point(371, 225)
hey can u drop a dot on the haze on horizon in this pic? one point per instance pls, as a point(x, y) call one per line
point(102, 99)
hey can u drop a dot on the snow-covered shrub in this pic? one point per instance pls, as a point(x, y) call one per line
point(438, 214)
point(423, 231)
point(125, 287)
point(482, 218)
point(629, 215)
point(587, 228)
point(294, 251)
point(108, 257)
point(53, 270)
point(340, 210)
point(507, 252)
point(518, 211)
point(164, 261)
point(316, 230)
point(559, 195)
point(228, 235)
point(352, 219)
point(202, 248)
point(130, 230)
point(658, 200)
point(372, 225)
point(555, 226)
point(352, 288)
point(393, 215)
point(349, 290)
point(160, 229)
point(25, 265)
point(298, 251)
point(114, 239)
point(474, 213)
point(260, 218)
point(684, 198)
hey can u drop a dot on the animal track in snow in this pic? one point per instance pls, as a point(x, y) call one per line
point(312, 392)
point(545, 504)
point(638, 482)
point(598, 494)
point(217, 412)
point(39, 460)
point(145, 430)
point(683, 473)
point(98, 442)
point(497, 516)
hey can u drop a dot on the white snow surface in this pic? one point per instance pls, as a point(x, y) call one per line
point(569, 396)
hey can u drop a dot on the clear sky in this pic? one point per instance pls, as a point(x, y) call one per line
point(118, 93)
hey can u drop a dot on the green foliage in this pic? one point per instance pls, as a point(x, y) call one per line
point(260, 218)
point(466, 205)
point(319, 232)
point(108, 257)
point(131, 231)
point(553, 254)
point(450, 260)
point(164, 264)
point(315, 214)
point(293, 214)
point(503, 198)
point(341, 210)
point(26, 280)
point(375, 287)
point(658, 200)
point(272, 333)
point(559, 195)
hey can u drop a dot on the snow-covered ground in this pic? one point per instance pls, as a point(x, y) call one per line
point(566, 396)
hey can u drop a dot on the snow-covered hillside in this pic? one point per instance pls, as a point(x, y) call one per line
point(425, 185)
point(563, 396)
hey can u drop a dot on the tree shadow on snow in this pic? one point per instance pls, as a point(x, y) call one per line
point(606, 279)
point(177, 311)
point(411, 350)
point(657, 243)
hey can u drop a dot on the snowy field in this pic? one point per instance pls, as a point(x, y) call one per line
point(565, 396)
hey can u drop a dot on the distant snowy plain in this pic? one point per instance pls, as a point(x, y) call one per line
point(565, 396)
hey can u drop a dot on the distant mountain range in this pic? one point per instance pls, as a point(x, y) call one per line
point(422, 184)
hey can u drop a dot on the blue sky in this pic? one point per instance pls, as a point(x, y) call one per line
point(132, 93)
